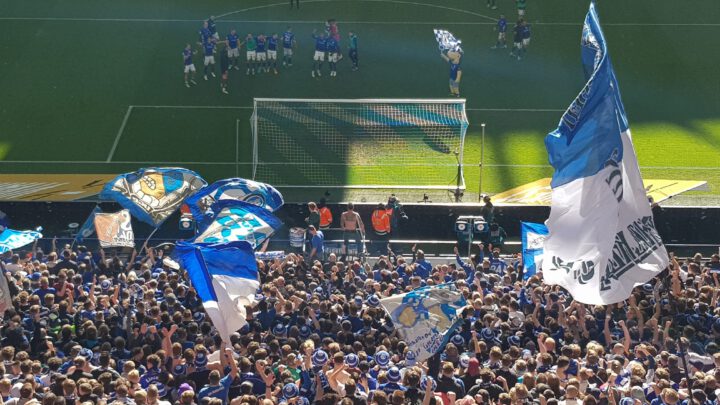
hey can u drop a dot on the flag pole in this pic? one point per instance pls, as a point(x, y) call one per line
point(151, 235)
point(80, 229)
point(482, 155)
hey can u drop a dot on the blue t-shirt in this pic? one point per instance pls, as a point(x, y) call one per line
point(260, 45)
point(209, 47)
point(502, 25)
point(317, 243)
point(187, 56)
point(423, 268)
point(42, 292)
point(205, 34)
point(233, 40)
point(272, 44)
point(525, 31)
point(217, 391)
point(331, 45)
point(211, 26)
point(497, 266)
point(454, 69)
point(320, 43)
point(287, 39)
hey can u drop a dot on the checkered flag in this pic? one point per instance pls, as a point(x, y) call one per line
point(447, 41)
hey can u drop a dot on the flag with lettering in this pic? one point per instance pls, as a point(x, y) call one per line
point(533, 239)
point(154, 193)
point(426, 317)
point(602, 239)
point(114, 229)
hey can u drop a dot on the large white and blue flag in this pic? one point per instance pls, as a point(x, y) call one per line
point(225, 277)
point(232, 220)
point(602, 240)
point(153, 194)
point(11, 239)
point(447, 41)
point(253, 192)
point(426, 317)
point(533, 240)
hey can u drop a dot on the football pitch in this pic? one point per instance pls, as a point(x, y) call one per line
point(94, 86)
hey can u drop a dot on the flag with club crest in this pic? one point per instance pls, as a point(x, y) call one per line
point(249, 191)
point(233, 220)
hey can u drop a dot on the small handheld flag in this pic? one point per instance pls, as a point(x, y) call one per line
point(447, 41)
point(533, 240)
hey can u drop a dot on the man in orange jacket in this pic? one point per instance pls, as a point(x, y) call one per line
point(381, 226)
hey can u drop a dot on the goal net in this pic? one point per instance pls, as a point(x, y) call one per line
point(374, 143)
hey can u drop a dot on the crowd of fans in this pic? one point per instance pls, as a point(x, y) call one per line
point(85, 328)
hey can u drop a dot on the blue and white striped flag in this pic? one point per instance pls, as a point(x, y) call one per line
point(11, 239)
point(447, 41)
point(602, 239)
point(533, 240)
point(234, 220)
point(225, 277)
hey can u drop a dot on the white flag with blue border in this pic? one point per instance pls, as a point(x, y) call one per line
point(602, 239)
point(533, 241)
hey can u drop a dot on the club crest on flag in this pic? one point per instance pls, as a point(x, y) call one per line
point(602, 239)
point(153, 194)
point(426, 317)
point(234, 220)
point(114, 230)
point(249, 191)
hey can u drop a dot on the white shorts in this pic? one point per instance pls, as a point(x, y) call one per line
point(319, 56)
point(521, 12)
point(332, 57)
point(209, 60)
point(250, 55)
point(261, 56)
point(272, 55)
point(287, 51)
point(216, 36)
point(501, 36)
point(233, 52)
point(189, 68)
point(526, 42)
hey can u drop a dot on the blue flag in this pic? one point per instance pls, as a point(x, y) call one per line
point(11, 239)
point(602, 239)
point(153, 194)
point(233, 220)
point(225, 277)
point(249, 191)
point(426, 317)
point(533, 238)
point(88, 228)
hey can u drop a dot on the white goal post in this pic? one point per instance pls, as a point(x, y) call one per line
point(359, 143)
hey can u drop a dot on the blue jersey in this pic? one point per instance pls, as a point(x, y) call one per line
point(260, 45)
point(331, 45)
point(272, 44)
point(525, 31)
point(287, 39)
point(233, 40)
point(187, 56)
point(205, 34)
point(502, 25)
point(209, 47)
point(217, 391)
point(320, 43)
point(454, 69)
point(211, 26)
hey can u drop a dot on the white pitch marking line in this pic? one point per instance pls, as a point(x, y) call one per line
point(196, 106)
point(119, 134)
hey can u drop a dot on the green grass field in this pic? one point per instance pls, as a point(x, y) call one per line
point(95, 86)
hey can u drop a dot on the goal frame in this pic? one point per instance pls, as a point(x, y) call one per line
point(459, 186)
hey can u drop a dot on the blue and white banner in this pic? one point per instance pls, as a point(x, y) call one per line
point(225, 277)
point(88, 228)
point(533, 240)
point(426, 317)
point(234, 220)
point(602, 240)
point(447, 41)
point(153, 194)
point(249, 191)
point(11, 239)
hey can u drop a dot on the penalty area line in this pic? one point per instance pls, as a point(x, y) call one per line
point(119, 134)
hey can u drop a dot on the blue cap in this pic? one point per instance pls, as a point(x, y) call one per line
point(200, 360)
point(105, 285)
point(290, 390)
point(278, 329)
point(180, 369)
point(458, 341)
point(487, 334)
point(373, 301)
point(382, 358)
point(393, 375)
point(352, 360)
point(514, 340)
point(319, 358)
point(305, 331)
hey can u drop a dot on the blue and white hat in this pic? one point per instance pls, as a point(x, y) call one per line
point(458, 341)
point(424, 383)
point(200, 360)
point(464, 361)
point(382, 358)
point(279, 329)
point(373, 301)
point(648, 287)
point(352, 360)
point(358, 301)
point(393, 375)
point(180, 369)
point(86, 353)
point(290, 390)
point(305, 331)
point(488, 335)
point(514, 340)
point(198, 317)
point(410, 358)
point(319, 358)
point(105, 285)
